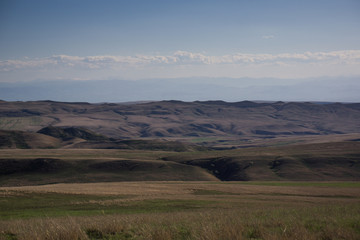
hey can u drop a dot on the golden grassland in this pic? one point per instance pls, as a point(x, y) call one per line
point(182, 210)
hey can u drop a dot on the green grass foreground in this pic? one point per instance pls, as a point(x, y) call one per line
point(182, 210)
point(29, 205)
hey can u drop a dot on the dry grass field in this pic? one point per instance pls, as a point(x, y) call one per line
point(182, 210)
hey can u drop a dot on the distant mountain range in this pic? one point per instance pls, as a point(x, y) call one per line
point(186, 89)
point(174, 119)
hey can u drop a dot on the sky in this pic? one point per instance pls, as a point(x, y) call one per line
point(142, 39)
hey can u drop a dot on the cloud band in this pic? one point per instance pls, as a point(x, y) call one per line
point(181, 58)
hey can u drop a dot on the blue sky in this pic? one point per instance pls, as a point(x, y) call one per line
point(131, 39)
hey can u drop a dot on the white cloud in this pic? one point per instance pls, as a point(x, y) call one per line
point(181, 58)
point(183, 64)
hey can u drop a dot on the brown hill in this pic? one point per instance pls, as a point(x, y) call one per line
point(81, 138)
point(96, 132)
point(20, 139)
point(70, 133)
point(185, 119)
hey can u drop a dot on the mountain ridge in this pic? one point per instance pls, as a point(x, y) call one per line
point(185, 119)
point(186, 89)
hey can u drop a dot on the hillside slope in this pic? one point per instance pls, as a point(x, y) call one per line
point(338, 161)
point(25, 140)
point(81, 138)
point(309, 162)
point(185, 119)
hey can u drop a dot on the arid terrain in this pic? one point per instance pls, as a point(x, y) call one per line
point(178, 170)
point(52, 142)
point(185, 119)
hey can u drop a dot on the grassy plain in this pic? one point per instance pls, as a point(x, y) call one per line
point(182, 210)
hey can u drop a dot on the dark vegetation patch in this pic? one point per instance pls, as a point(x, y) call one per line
point(263, 132)
point(38, 165)
point(203, 128)
point(224, 168)
point(19, 140)
point(5, 141)
point(355, 140)
point(345, 184)
point(153, 145)
point(19, 172)
point(71, 133)
point(126, 165)
point(13, 139)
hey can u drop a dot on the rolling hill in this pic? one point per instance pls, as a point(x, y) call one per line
point(336, 161)
point(174, 140)
point(25, 140)
point(185, 119)
point(81, 138)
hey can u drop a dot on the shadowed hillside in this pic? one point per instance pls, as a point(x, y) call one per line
point(319, 162)
point(34, 171)
point(71, 133)
point(337, 161)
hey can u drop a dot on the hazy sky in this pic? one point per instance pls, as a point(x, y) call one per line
point(139, 39)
